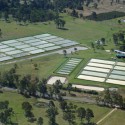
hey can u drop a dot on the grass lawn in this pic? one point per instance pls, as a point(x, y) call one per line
point(16, 101)
point(117, 118)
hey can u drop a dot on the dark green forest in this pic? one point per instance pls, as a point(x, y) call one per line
point(35, 10)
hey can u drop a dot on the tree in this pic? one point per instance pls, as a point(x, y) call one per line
point(95, 5)
point(89, 115)
point(103, 41)
point(0, 33)
point(93, 46)
point(59, 23)
point(75, 49)
point(65, 53)
point(119, 21)
point(115, 39)
point(69, 87)
point(6, 15)
point(42, 88)
point(26, 106)
point(51, 113)
point(81, 113)
point(63, 105)
point(40, 121)
point(121, 37)
point(56, 87)
point(94, 15)
point(107, 98)
point(6, 113)
point(69, 116)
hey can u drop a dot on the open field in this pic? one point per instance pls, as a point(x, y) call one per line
point(80, 30)
point(115, 119)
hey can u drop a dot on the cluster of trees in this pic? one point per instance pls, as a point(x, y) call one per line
point(111, 99)
point(105, 16)
point(27, 107)
point(33, 11)
point(52, 112)
point(37, 10)
point(5, 112)
point(118, 39)
point(70, 111)
point(99, 44)
point(9, 78)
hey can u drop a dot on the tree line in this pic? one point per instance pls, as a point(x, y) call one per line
point(119, 40)
point(111, 99)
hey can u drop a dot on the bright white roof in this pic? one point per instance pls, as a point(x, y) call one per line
point(97, 69)
point(29, 49)
point(120, 63)
point(3, 46)
point(37, 51)
point(7, 49)
point(5, 58)
point(26, 38)
point(10, 41)
point(102, 61)
point(45, 45)
point(100, 65)
point(14, 52)
point(85, 77)
point(119, 68)
point(90, 73)
point(52, 48)
point(113, 81)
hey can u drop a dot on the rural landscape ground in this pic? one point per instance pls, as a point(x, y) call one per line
point(84, 32)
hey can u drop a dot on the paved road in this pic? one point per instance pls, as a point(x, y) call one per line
point(69, 50)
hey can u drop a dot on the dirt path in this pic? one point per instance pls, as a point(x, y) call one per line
point(106, 116)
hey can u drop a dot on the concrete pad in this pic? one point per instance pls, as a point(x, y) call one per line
point(53, 79)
